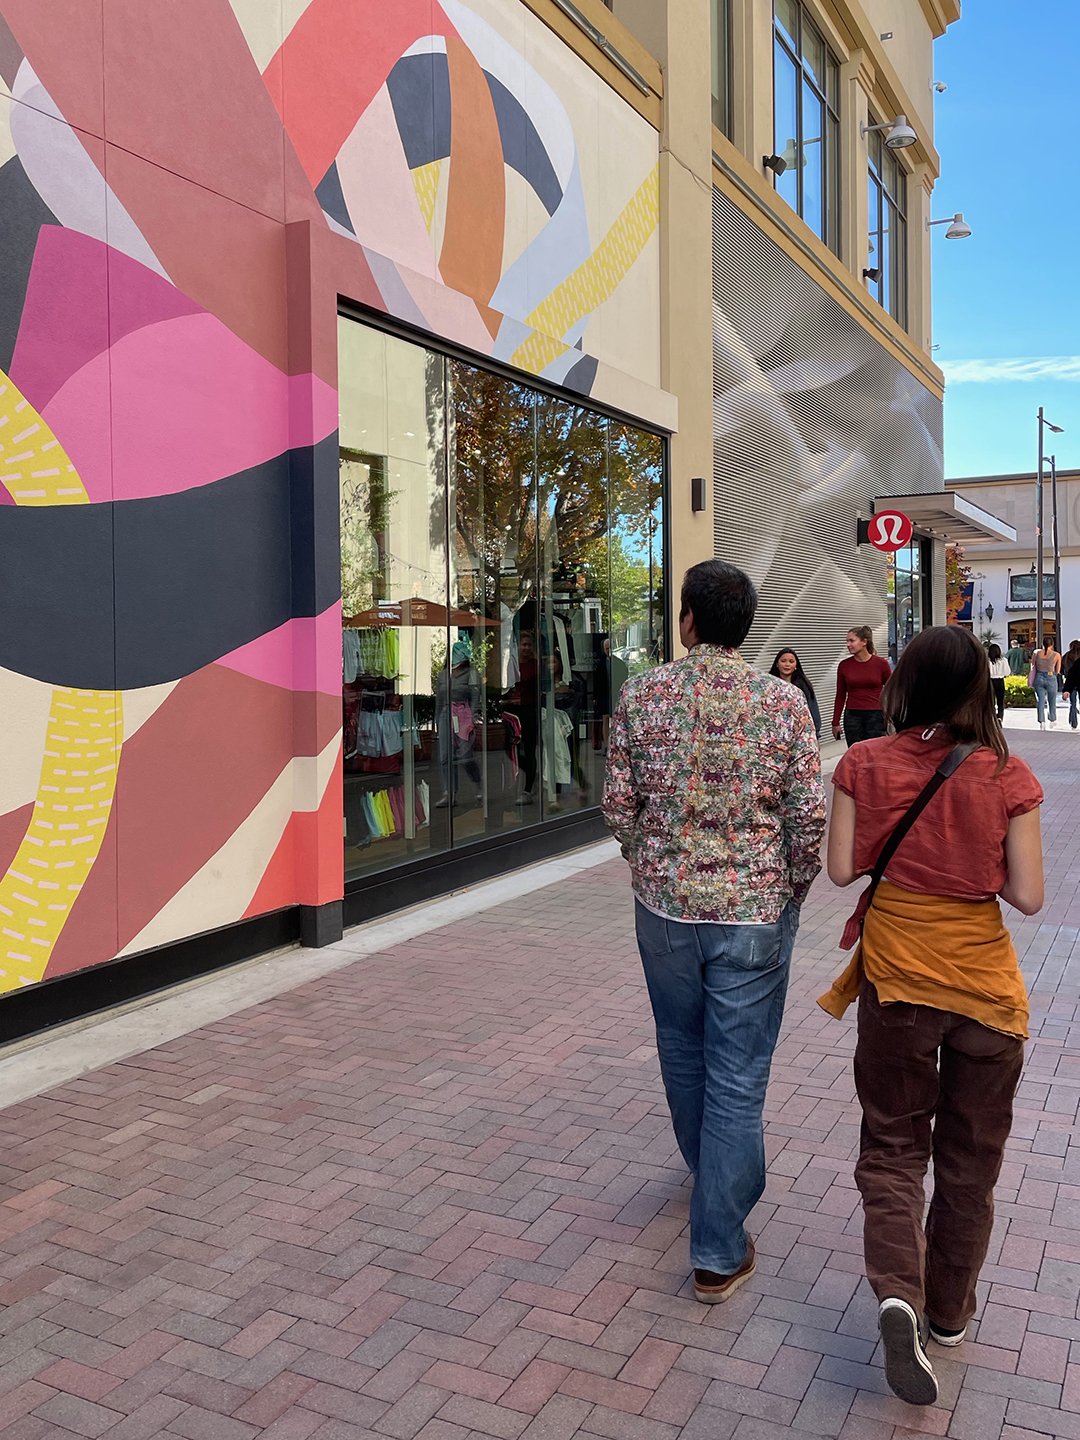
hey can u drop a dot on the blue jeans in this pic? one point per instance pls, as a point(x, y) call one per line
point(1046, 693)
point(717, 995)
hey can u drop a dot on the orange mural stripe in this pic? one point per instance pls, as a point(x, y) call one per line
point(471, 259)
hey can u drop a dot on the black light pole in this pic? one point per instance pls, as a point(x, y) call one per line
point(1057, 553)
point(1040, 639)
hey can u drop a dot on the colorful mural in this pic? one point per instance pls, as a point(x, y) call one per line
point(185, 191)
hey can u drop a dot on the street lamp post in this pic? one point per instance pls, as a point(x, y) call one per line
point(1057, 552)
point(1040, 638)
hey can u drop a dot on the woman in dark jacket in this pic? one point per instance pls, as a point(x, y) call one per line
point(788, 666)
point(1071, 666)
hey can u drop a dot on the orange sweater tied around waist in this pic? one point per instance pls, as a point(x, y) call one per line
point(930, 950)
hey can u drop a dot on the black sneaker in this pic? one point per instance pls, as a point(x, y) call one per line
point(908, 1371)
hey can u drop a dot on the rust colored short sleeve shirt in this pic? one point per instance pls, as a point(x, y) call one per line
point(957, 845)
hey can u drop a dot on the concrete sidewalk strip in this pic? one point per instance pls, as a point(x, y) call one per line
point(425, 1186)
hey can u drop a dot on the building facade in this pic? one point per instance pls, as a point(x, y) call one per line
point(357, 364)
point(1001, 595)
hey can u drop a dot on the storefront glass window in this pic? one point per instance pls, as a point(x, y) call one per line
point(1022, 589)
point(501, 576)
point(393, 580)
point(905, 591)
point(492, 513)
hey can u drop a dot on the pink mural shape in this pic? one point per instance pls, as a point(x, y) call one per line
point(191, 404)
point(80, 296)
point(289, 655)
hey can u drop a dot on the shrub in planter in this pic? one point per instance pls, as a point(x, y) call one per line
point(1018, 693)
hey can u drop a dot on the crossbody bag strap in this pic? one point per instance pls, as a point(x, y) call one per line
point(951, 763)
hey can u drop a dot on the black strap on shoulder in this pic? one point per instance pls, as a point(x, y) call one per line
point(951, 763)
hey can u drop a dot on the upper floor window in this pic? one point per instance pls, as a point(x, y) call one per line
point(721, 65)
point(806, 120)
point(887, 270)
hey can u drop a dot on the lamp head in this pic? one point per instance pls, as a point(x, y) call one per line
point(959, 229)
point(873, 274)
point(1056, 429)
point(900, 135)
point(776, 163)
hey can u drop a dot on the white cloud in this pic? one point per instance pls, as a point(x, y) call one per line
point(1011, 371)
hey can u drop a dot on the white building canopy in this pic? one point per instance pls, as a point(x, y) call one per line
point(945, 515)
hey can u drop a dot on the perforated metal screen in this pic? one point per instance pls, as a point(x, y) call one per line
point(812, 418)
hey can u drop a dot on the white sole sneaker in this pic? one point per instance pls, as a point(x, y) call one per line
point(948, 1340)
point(908, 1371)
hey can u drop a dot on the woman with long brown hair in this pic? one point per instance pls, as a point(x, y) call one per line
point(859, 679)
point(942, 1006)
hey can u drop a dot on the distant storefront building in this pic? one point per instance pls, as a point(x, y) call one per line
point(1003, 587)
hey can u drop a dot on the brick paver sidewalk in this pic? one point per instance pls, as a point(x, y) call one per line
point(435, 1194)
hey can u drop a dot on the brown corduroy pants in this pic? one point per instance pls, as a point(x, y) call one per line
point(933, 1085)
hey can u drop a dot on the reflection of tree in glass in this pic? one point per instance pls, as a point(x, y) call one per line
point(512, 449)
point(366, 504)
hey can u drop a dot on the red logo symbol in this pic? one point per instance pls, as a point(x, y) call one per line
point(889, 530)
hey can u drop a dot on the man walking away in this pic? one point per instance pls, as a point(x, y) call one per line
point(714, 793)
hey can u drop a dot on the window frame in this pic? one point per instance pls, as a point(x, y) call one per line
point(721, 32)
point(827, 91)
point(890, 258)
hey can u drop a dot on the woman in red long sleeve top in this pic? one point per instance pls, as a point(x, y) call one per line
point(859, 680)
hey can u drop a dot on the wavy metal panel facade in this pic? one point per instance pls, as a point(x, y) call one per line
point(812, 418)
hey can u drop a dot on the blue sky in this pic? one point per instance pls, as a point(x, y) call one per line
point(1007, 301)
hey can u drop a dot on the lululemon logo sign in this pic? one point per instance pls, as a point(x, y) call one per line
point(889, 530)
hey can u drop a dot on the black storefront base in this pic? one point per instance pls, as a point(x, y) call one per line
point(102, 987)
point(383, 892)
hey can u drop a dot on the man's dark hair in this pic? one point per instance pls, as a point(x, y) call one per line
point(723, 601)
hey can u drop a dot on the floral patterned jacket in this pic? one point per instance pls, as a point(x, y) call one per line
point(714, 789)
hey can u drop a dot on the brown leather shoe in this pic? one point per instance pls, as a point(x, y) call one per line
point(713, 1289)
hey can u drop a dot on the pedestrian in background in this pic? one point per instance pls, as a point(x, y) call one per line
point(859, 679)
point(943, 1012)
point(788, 666)
point(999, 668)
point(714, 793)
point(1019, 658)
point(1071, 665)
point(1043, 679)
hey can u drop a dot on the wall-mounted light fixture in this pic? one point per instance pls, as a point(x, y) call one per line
point(898, 133)
point(939, 86)
point(698, 497)
point(885, 35)
point(958, 229)
point(874, 274)
point(776, 163)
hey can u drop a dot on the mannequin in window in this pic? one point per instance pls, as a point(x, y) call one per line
point(458, 712)
point(523, 700)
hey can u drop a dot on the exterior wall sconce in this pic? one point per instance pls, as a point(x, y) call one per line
point(776, 163)
point(873, 274)
point(958, 229)
point(698, 494)
point(898, 133)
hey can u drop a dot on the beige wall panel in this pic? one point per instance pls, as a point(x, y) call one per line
point(910, 50)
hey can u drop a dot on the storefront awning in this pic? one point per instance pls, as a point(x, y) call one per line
point(945, 515)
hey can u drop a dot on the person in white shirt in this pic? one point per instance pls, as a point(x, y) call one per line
point(999, 668)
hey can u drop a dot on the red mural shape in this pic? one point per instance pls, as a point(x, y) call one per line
point(188, 779)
